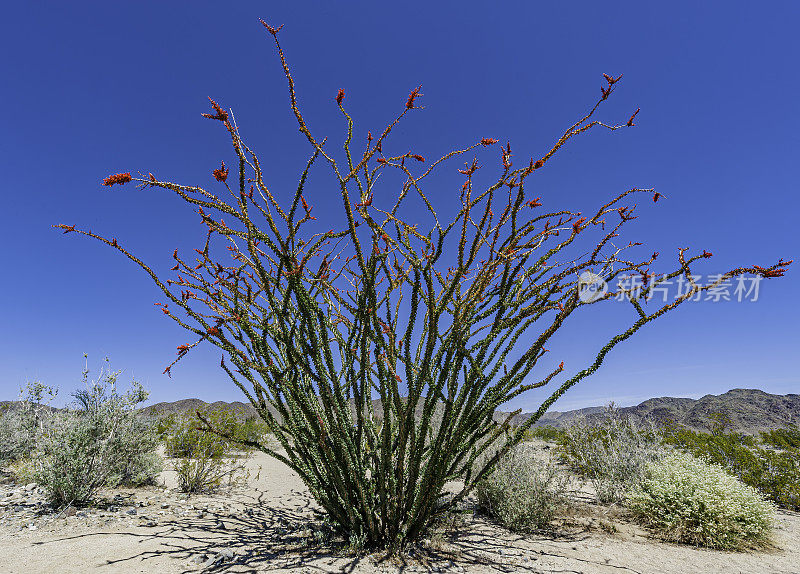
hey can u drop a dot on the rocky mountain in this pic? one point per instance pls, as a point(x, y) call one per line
point(749, 410)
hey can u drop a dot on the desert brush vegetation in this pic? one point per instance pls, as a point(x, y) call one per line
point(103, 440)
point(441, 318)
point(672, 480)
point(689, 500)
point(100, 440)
point(613, 453)
point(718, 489)
point(524, 493)
point(205, 462)
point(769, 462)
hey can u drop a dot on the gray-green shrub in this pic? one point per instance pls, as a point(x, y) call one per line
point(612, 452)
point(102, 441)
point(688, 500)
point(523, 493)
point(20, 423)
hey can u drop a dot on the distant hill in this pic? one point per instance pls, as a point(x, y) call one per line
point(750, 410)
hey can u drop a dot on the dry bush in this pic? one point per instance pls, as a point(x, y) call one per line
point(611, 452)
point(204, 461)
point(22, 422)
point(103, 441)
point(524, 493)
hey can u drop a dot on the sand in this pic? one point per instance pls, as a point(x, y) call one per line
point(264, 527)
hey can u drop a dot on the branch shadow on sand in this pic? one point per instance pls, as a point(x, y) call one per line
point(259, 536)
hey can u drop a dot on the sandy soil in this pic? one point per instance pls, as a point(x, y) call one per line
point(264, 527)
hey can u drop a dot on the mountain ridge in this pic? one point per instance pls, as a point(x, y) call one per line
point(750, 410)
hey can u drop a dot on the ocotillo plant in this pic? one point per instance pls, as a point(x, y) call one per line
point(442, 321)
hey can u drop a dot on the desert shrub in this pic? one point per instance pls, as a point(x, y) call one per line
point(138, 461)
point(779, 478)
point(72, 460)
point(690, 501)
point(775, 473)
point(184, 439)
point(251, 430)
point(204, 461)
point(783, 439)
point(612, 452)
point(9, 436)
point(163, 425)
point(22, 470)
point(22, 422)
point(546, 433)
point(523, 493)
point(733, 451)
point(719, 423)
point(103, 441)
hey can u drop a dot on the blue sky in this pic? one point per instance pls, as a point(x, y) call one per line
point(95, 88)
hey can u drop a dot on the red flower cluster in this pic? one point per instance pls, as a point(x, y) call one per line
point(340, 97)
point(367, 202)
point(117, 178)
point(488, 141)
point(413, 96)
point(307, 208)
point(506, 155)
point(273, 31)
point(221, 114)
point(774, 271)
point(611, 81)
point(221, 174)
point(469, 171)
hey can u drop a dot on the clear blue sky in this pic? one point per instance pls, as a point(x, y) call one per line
point(95, 88)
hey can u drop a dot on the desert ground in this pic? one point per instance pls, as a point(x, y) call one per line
point(267, 526)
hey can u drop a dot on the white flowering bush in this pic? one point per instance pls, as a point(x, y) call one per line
point(523, 493)
point(690, 501)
